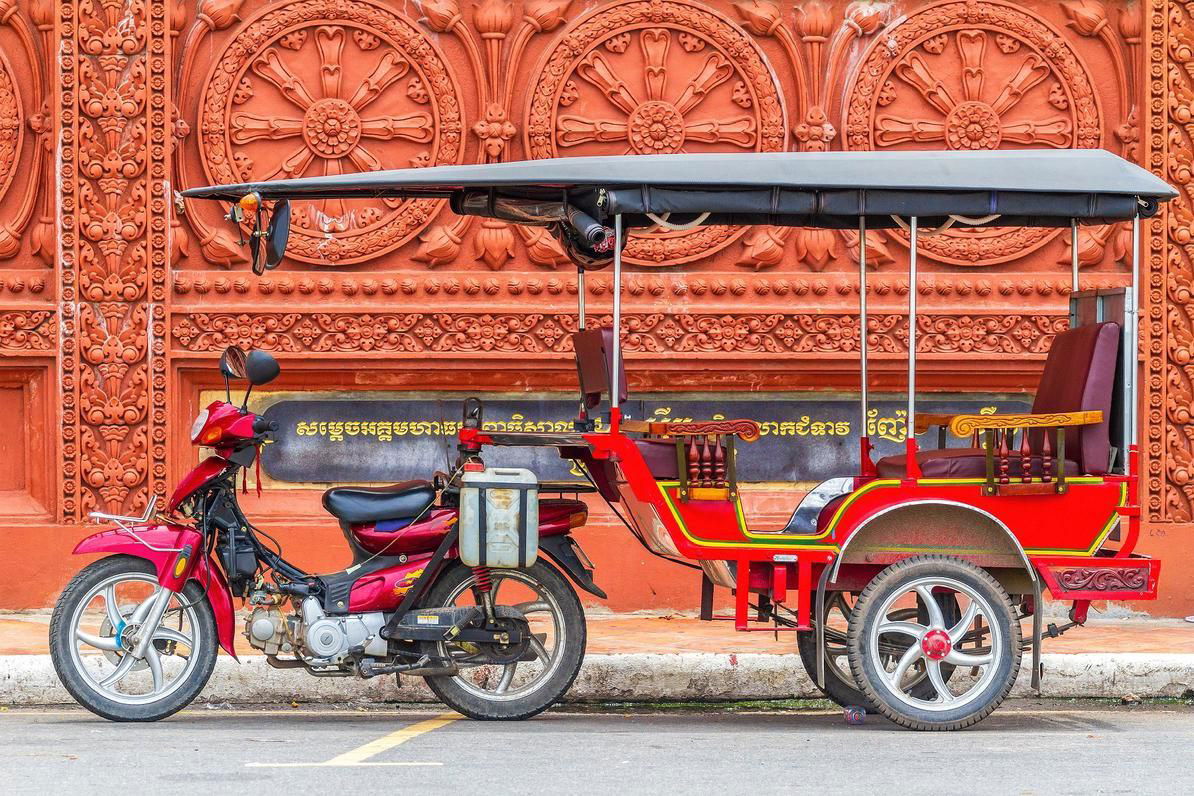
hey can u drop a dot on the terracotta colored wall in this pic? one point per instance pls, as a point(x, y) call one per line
point(114, 299)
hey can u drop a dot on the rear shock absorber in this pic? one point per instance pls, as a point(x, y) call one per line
point(484, 579)
point(484, 590)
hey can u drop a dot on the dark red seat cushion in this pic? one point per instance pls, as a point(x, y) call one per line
point(660, 456)
point(1079, 375)
point(961, 463)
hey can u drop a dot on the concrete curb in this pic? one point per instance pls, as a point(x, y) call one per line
point(29, 680)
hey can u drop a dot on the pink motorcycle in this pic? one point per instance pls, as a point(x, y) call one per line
point(134, 636)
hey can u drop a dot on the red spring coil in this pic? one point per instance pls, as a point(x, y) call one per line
point(484, 579)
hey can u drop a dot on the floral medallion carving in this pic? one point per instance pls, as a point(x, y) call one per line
point(656, 77)
point(328, 87)
point(11, 125)
point(973, 76)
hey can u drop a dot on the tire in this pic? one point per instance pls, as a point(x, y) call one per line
point(999, 663)
point(67, 661)
point(455, 691)
point(839, 682)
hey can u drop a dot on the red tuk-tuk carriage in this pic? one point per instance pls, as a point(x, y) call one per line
point(906, 577)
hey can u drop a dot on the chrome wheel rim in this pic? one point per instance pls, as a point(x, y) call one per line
point(498, 682)
point(936, 643)
point(838, 611)
point(105, 626)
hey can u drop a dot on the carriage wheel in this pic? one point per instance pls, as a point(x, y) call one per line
point(983, 643)
point(839, 680)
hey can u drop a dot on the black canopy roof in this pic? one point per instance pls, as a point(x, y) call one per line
point(817, 189)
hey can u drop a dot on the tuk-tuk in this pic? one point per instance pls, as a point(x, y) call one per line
point(905, 577)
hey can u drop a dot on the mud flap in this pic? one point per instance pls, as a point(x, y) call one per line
point(566, 554)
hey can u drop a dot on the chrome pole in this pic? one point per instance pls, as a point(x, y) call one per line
point(580, 299)
point(862, 323)
point(615, 387)
point(910, 429)
point(1132, 310)
point(1074, 255)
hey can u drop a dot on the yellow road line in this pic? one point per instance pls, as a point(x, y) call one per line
point(359, 756)
point(396, 738)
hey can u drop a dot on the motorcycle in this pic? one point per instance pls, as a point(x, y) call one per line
point(134, 636)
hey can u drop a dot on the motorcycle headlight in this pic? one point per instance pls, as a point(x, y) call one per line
point(198, 425)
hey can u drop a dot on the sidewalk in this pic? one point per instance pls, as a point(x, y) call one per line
point(662, 658)
point(26, 634)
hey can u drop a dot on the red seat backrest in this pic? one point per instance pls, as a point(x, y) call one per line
point(594, 365)
point(1079, 375)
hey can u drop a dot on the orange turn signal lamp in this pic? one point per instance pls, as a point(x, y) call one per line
point(250, 202)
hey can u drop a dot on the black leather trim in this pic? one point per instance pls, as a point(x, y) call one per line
point(368, 504)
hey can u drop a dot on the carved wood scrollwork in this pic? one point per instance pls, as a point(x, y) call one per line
point(1103, 579)
point(327, 87)
point(1169, 351)
point(656, 77)
point(114, 211)
point(723, 334)
point(973, 76)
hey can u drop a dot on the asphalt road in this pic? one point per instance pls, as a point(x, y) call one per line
point(1052, 749)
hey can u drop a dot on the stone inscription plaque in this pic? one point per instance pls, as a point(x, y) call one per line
point(384, 441)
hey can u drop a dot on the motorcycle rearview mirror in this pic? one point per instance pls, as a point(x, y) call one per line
point(260, 368)
point(232, 366)
point(277, 234)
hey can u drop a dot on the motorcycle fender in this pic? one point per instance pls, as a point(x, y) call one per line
point(178, 558)
point(566, 553)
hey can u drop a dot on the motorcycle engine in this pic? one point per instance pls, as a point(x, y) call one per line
point(327, 639)
point(267, 630)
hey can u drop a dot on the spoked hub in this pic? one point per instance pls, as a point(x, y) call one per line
point(492, 671)
point(978, 644)
point(532, 671)
point(935, 643)
point(109, 626)
point(839, 680)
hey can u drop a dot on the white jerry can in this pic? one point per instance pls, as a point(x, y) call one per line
point(499, 518)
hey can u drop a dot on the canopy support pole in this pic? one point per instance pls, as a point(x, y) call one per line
point(615, 413)
point(1074, 255)
point(865, 465)
point(580, 298)
point(911, 466)
point(1132, 350)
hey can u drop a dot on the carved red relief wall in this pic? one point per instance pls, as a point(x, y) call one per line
point(116, 295)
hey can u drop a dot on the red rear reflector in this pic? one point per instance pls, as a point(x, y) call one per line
point(474, 467)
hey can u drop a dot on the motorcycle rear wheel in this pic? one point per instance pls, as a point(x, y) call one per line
point(494, 691)
point(98, 613)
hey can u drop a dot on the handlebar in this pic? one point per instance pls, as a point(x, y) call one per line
point(261, 425)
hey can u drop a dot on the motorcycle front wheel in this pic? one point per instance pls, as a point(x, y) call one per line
point(94, 630)
point(539, 677)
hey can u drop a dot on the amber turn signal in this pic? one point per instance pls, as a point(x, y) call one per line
point(250, 202)
point(577, 519)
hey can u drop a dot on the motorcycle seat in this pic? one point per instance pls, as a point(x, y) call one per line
point(353, 504)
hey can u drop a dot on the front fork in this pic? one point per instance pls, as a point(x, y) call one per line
point(161, 600)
